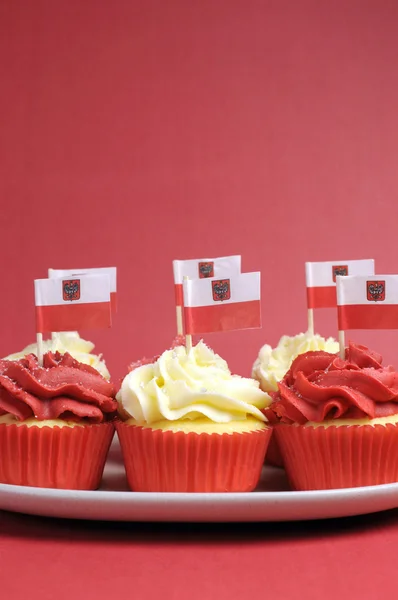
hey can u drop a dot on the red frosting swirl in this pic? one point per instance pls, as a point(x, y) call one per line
point(321, 386)
point(62, 389)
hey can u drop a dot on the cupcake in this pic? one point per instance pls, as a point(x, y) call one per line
point(272, 364)
point(337, 420)
point(188, 425)
point(55, 422)
point(71, 342)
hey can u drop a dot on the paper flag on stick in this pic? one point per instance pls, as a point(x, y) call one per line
point(321, 279)
point(222, 304)
point(321, 282)
point(72, 304)
point(203, 268)
point(72, 273)
point(200, 268)
point(367, 302)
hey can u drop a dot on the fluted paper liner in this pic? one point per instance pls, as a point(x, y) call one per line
point(166, 461)
point(318, 458)
point(54, 457)
point(274, 456)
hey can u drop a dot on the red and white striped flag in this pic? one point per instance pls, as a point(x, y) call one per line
point(203, 268)
point(72, 304)
point(72, 273)
point(222, 304)
point(321, 279)
point(367, 302)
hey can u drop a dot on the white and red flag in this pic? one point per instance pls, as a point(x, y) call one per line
point(321, 279)
point(223, 304)
point(367, 302)
point(203, 268)
point(69, 304)
point(73, 273)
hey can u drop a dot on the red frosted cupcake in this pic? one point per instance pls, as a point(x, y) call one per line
point(190, 426)
point(55, 427)
point(272, 364)
point(338, 420)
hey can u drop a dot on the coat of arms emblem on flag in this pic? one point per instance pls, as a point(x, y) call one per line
point(376, 291)
point(206, 269)
point(221, 290)
point(71, 290)
point(339, 270)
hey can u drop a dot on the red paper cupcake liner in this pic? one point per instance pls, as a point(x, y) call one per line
point(318, 458)
point(274, 456)
point(54, 457)
point(166, 461)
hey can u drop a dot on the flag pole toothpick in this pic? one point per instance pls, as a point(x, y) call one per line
point(188, 337)
point(342, 344)
point(311, 321)
point(53, 334)
point(339, 294)
point(180, 329)
point(188, 343)
point(39, 338)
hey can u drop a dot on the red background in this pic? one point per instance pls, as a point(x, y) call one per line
point(139, 131)
point(136, 132)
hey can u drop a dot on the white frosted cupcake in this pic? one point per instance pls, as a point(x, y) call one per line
point(189, 425)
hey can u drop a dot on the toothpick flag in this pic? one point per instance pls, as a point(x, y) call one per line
point(367, 302)
point(321, 281)
point(73, 273)
point(223, 304)
point(200, 268)
point(72, 304)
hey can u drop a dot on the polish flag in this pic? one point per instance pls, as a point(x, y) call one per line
point(71, 273)
point(367, 302)
point(321, 279)
point(224, 304)
point(72, 304)
point(203, 268)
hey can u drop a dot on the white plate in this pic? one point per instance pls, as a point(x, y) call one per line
point(272, 501)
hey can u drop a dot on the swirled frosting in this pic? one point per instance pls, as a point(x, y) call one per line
point(62, 388)
point(71, 342)
point(320, 387)
point(177, 341)
point(193, 385)
point(272, 363)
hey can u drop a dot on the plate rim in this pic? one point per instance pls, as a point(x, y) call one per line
point(262, 506)
point(258, 497)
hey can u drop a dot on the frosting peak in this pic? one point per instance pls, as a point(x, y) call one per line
point(320, 386)
point(181, 385)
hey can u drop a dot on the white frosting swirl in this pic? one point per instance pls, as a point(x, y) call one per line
point(68, 341)
point(272, 363)
point(181, 385)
